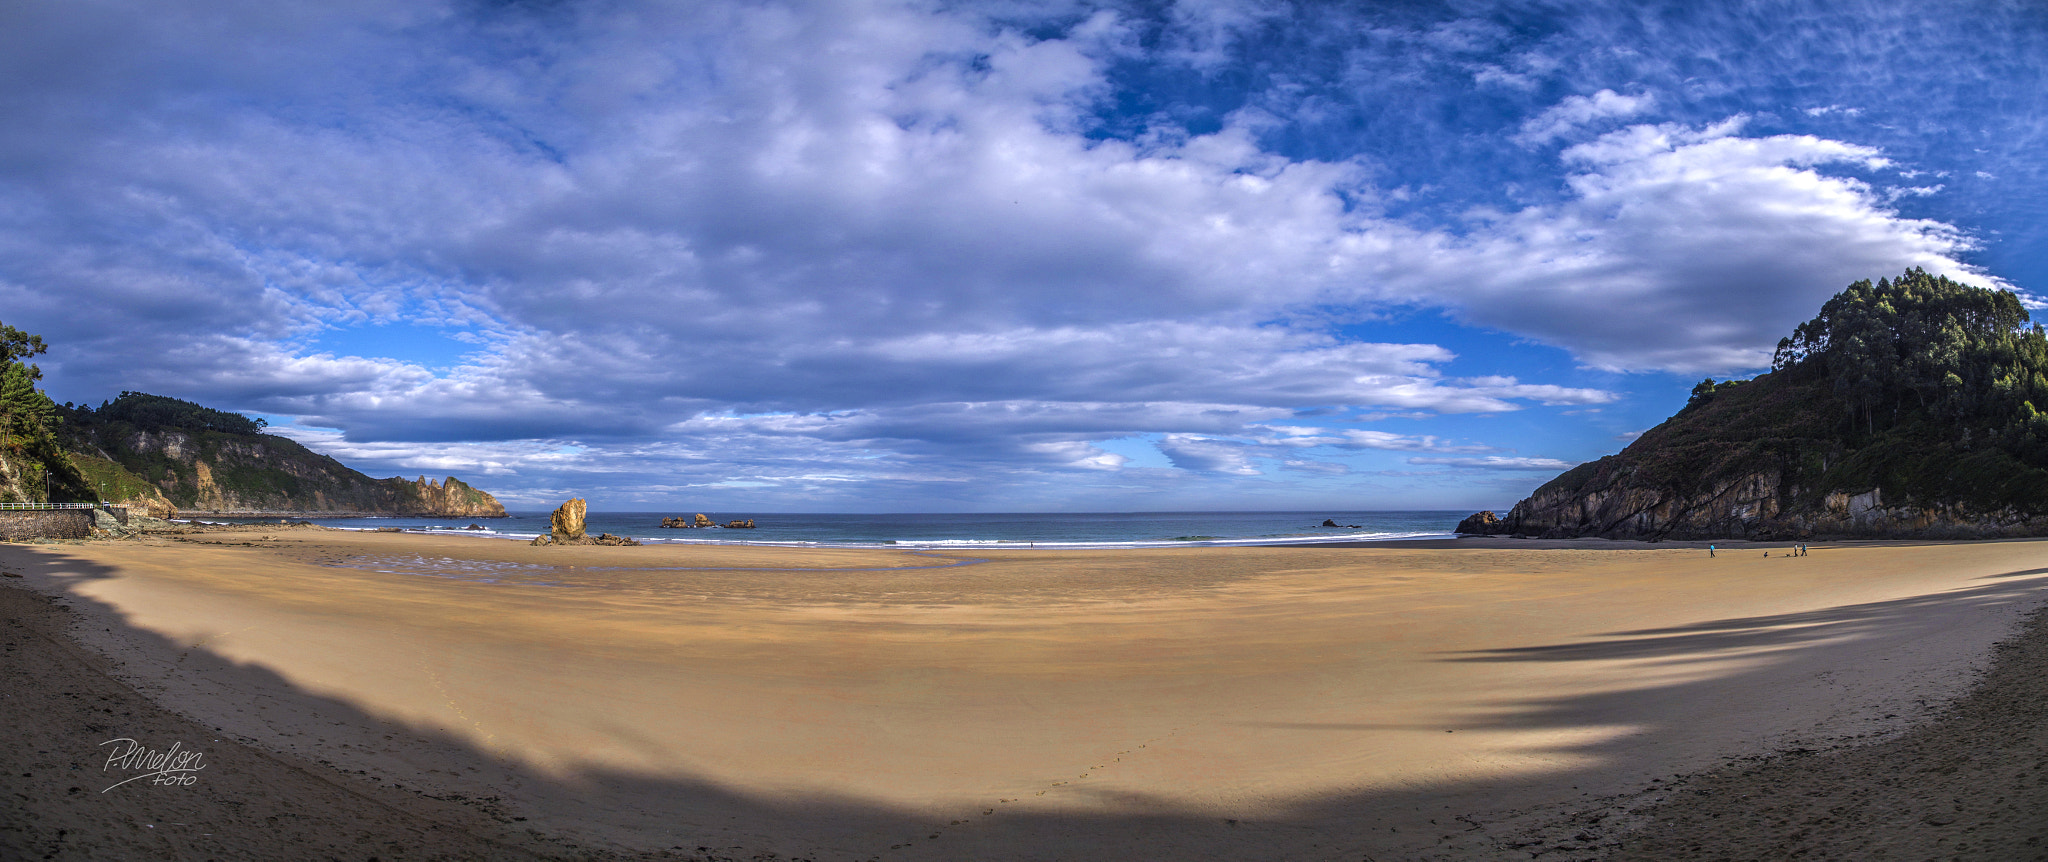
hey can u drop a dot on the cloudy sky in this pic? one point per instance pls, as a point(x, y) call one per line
point(1003, 256)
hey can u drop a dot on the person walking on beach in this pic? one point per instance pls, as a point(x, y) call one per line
point(1710, 551)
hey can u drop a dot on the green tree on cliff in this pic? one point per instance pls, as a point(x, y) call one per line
point(1924, 350)
point(16, 345)
point(27, 417)
point(156, 412)
point(26, 414)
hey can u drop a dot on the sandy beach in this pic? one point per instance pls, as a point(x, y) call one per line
point(1419, 700)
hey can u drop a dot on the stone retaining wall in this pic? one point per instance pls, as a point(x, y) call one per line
point(16, 525)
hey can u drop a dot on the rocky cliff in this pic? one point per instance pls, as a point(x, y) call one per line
point(1765, 505)
point(1908, 409)
point(206, 472)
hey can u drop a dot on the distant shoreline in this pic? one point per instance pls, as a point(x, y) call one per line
point(182, 514)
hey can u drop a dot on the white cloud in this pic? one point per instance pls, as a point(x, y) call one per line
point(1892, 195)
point(1297, 436)
point(1208, 455)
point(1207, 31)
point(1575, 112)
point(1498, 462)
point(1073, 453)
point(1684, 249)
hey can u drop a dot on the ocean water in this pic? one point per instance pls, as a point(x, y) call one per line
point(1062, 530)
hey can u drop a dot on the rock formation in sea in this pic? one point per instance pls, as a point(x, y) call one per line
point(1915, 408)
point(704, 521)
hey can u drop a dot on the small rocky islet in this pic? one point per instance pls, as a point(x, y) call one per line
point(703, 521)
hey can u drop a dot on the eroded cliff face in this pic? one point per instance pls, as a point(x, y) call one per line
point(1753, 506)
point(217, 473)
point(1613, 503)
point(450, 498)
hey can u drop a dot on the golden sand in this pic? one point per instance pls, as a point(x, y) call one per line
point(644, 697)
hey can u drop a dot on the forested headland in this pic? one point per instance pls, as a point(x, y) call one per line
point(165, 455)
point(1907, 407)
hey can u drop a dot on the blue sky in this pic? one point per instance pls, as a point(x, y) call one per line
point(879, 256)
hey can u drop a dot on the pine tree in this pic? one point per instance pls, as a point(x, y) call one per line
point(16, 345)
point(25, 413)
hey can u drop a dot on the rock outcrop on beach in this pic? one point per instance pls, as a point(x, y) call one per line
point(1480, 524)
point(166, 456)
point(1908, 409)
point(566, 524)
point(565, 527)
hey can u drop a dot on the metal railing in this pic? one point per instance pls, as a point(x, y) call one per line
point(19, 506)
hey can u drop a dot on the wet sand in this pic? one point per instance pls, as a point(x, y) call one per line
point(1310, 702)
